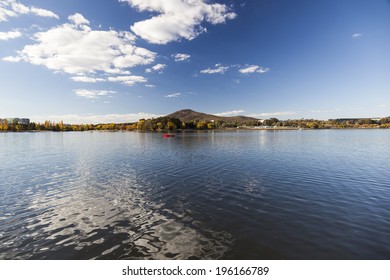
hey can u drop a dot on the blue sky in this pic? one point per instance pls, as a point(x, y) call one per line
point(85, 61)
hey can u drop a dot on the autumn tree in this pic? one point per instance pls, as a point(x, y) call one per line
point(171, 126)
point(141, 124)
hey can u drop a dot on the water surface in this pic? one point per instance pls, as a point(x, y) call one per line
point(321, 194)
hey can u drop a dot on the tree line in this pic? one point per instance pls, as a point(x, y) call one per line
point(333, 123)
point(167, 123)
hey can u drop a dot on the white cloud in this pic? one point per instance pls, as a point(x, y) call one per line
point(253, 69)
point(128, 80)
point(95, 119)
point(150, 86)
point(5, 13)
point(356, 35)
point(230, 113)
point(86, 79)
point(173, 95)
point(219, 69)
point(156, 68)
point(10, 35)
point(78, 19)
point(116, 71)
point(177, 19)
point(12, 8)
point(92, 94)
point(271, 115)
point(43, 13)
point(11, 59)
point(75, 48)
point(181, 56)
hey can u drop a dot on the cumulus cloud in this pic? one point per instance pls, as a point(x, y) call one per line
point(92, 94)
point(12, 8)
point(74, 48)
point(219, 69)
point(95, 119)
point(181, 56)
point(10, 35)
point(156, 68)
point(230, 113)
point(176, 19)
point(173, 95)
point(248, 69)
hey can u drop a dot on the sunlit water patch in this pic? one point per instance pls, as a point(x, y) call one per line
point(213, 195)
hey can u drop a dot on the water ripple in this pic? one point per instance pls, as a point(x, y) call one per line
point(293, 195)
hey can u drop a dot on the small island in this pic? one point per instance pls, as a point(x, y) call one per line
point(192, 120)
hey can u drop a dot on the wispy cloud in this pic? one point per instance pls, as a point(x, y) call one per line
point(156, 68)
point(356, 35)
point(85, 79)
point(12, 8)
point(10, 35)
point(128, 80)
point(150, 86)
point(248, 69)
point(13, 59)
point(173, 95)
point(92, 94)
point(177, 19)
point(230, 113)
point(181, 56)
point(218, 69)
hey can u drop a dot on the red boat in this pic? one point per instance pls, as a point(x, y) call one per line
point(169, 135)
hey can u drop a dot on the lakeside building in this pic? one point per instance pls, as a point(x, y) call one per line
point(23, 121)
point(355, 119)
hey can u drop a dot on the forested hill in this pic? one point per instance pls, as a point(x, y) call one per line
point(188, 115)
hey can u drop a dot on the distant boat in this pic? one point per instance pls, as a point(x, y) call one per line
point(169, 135)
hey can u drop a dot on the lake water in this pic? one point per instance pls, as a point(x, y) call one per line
point(318, 194)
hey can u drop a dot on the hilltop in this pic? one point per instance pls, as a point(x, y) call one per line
point(189, 119)
point(188, 115)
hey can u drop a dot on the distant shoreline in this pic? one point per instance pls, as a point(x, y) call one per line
point(204, 130)
point(191, 120)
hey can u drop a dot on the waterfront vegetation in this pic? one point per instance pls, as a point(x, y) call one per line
point(168, 123)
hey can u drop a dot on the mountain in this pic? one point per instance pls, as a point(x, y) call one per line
point(188, 115)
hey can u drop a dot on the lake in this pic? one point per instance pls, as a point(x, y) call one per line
point(310, 194)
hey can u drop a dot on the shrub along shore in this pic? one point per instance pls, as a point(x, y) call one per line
point(168, 123)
